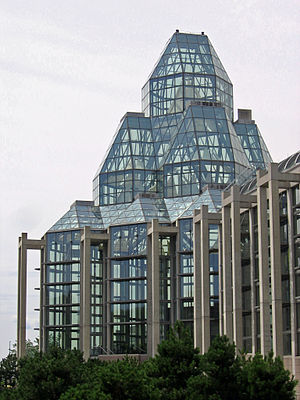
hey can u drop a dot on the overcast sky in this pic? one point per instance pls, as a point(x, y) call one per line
point(70, 69)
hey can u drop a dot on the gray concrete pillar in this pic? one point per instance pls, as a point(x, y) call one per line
point(290, 216)
point(275, 268)
point(236, 269)
point(104, 291)
point(227, 275)
point(107, 302)
point(220, 269)
point(85, 281)
point(174, 255)
point(178, 278)
point(155, 278)
point(197, 284)
point(149, 291)
point(263, 264)
point(205, 283)
point(22, 296)
point(252, 280)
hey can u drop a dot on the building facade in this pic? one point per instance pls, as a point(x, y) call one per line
point(190, 220)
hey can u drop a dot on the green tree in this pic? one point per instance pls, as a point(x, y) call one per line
point(8, 371)
point(177, 360)
point(265, 378)
point(118, 380)
point(48, 375)
point(221, 373)
point(227, 376)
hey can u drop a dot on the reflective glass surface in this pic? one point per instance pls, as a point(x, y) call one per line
point(183, 141)
point(62, 289)
point(128, 288)
point(188, 69)
point(253, 144)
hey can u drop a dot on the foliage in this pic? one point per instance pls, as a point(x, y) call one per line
point(8, 371)
point(118, 380)
point(265, 378)
point(221, 373)
point(48, 375)
point(177, 360)
point(177, 372)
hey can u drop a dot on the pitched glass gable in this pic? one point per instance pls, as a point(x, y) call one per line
point(253, 144)
point(144, 209)
point(81, 213)
point(164, 129)
point(205, 150)
point(189, 69)
point(210, 197)
point(130, 166)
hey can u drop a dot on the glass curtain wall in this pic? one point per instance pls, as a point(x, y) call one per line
point(96, 299)
point(246, 282)
point(214, 280)
point(186, 270)
point(62, 289)
point(285, 277)
point(165, 285)
point(128, 289)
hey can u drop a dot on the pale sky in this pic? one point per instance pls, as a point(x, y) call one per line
point(69, 70)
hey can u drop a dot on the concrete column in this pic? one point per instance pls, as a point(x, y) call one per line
point(220, 269)
point(197, 285)
point(22, 296)
point(107, 302)
point(290, 216)
point(177, 285)
point(275, 268)
point(104, 291)
point(155, 287)
point(173, 247)
point(149, 291)
point(205, 283)
point(85, 306)
point(252, 278)
point(236, 269)
point(263, 264)
point(227, 275)
point(24, 245)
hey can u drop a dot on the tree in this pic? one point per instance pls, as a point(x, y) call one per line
point(265, 378)
point(221, 373)
point(229, 376)
point(48, 375)
point(118, 380)
point(177, 360)
point(8, 371)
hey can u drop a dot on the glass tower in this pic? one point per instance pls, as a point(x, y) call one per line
point(118, 271)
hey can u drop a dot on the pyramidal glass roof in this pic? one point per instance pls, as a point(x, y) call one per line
point(253, 144)
point(210, 197)
point(191, 53)
point(188, 69)
point(206, 133)
point(81, 213)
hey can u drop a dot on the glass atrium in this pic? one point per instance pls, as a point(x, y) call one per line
point(176, 155)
